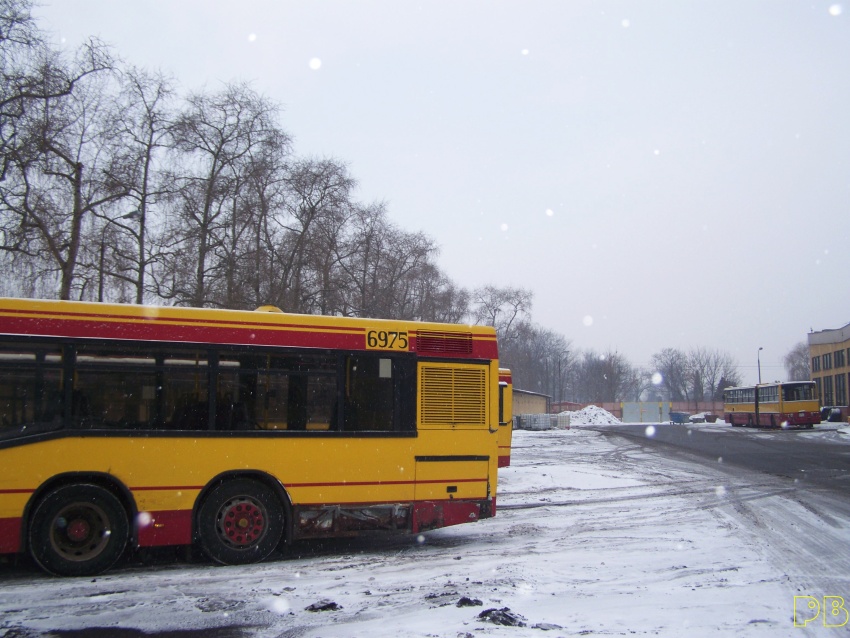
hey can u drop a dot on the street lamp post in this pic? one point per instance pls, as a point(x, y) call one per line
point(560, 392)
point(758, 359)
point(559, 380)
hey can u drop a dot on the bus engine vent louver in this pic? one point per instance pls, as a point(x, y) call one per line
point(453, 395)
point(434, 342)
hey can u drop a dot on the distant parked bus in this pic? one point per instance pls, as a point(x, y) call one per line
point(773, 405)
point(238, 431)
point(506, 420)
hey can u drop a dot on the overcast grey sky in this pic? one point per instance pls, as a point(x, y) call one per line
point(660, 173)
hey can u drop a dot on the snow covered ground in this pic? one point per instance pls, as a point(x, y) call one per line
point(595, 535)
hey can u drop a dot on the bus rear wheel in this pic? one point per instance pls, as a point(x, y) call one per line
point(78, 530)
point(241, 521)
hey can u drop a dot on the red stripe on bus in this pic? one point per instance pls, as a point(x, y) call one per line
point(186, 333)
point(164, 488)
point(167, 527)
point(177, 488)
point(212, 332)
point(10, 535)
point(76, 316)
point(364, 483)
point(147, 488)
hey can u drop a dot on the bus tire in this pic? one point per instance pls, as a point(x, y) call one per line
point(239, 522)
point(78, 530)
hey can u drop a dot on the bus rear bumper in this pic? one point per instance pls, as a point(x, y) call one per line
point(429, 515)
point(317, 521)
point(802, 418)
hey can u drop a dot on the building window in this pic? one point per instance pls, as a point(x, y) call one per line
point(827, 361)
point(839, 358)
point(815, 364)
point(828, 395)
point(840, 389)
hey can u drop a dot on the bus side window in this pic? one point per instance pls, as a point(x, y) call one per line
point(111, 386)
point(297, 402)
point(184, 394)
point(379, 394)
point(369, 397)
point(284, 391)
point(31, 397)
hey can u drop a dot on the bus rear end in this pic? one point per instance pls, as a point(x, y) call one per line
point(506, 427)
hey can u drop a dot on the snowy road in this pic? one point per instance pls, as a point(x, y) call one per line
point(595, 535)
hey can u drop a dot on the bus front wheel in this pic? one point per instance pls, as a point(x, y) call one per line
point(78, 530)
point(241, 521)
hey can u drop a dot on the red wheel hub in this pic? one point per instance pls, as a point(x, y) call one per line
point(78, 530)
point(242, 522)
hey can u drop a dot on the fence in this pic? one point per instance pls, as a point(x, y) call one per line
point(649, 409)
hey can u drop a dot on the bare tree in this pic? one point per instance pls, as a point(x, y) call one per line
point(435, 297)
point(215, 134)
point(405, 262)
point(540, 360)
point(58, 166)
point(31, 72)
point(672, 365)
point(797, 363)
point(444, 301)
point(318, 208)
point(65, 165)
point(143, 117)
point(701, 374)
point(606, 377)
point(256, 200)
point(501, 308)
point(707, 368)
point(361, 257)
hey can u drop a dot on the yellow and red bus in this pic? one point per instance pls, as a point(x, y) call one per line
point(791, 404)
point(130, 426)
point(506, 421)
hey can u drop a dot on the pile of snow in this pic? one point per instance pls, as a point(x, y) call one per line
point(592, 415)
